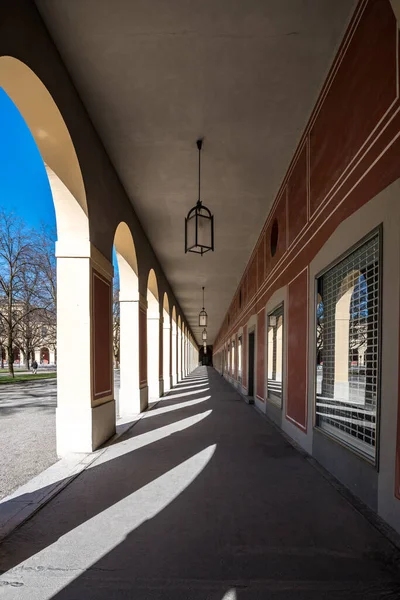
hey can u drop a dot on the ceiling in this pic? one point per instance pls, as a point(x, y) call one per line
point(157, 74)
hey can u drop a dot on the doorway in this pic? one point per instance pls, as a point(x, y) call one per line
point(251, 365)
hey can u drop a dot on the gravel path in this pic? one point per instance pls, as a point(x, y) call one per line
point(27, 431)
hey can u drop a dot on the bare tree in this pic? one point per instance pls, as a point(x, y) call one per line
point(15, 259)
point(116, 321)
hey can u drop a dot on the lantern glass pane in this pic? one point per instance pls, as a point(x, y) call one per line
point(204, 335)
point(204, 231)
point(202, 319)
point(191, 231)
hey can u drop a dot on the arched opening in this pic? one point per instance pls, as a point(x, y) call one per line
point(72, 283)
point(153, 336)
point(343, 319)
point(44, 356)
point(126, 322)
point(166, 345)
point(174, 347)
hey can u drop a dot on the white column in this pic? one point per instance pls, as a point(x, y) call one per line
point(179, 365)
point(153, 349)
point(85, 415)
point(174, 350)
point(166, 354)
point(129, 392)
point(52, 357)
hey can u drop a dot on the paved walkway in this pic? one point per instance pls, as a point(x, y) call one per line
point(201, 500)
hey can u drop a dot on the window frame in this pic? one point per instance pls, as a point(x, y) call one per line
point(275, 400)
point(374, 462)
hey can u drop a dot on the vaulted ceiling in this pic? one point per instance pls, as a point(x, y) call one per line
point(157, 74)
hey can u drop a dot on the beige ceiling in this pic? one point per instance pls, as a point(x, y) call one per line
point(157, 74)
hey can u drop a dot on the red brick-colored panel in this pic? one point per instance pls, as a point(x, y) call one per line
point(252, 278)
point(280, 217)
point(102, 336)
point(297, 196)
point(260, 354)
point(244, 357)
point(261, 263)
point(296, 409)
point(143, 346)
point(245, 290)
point(353, 107)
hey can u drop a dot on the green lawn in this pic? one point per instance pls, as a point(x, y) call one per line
point(26, 377)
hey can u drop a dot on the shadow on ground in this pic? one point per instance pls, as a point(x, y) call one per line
point(202, 499)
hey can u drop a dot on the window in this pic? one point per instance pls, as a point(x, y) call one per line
point(347, 372)
point(233, 358)
point(275, 355)
point(240, 358)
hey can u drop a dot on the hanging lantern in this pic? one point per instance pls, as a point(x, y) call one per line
point(199, 224)
point(204, 334)
point(203, 315)
point(205, 347)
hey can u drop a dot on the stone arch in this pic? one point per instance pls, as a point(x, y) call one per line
point(44, 355)
point(54, 143)
point(126, 321)
point(153, 336)
point(77, 397)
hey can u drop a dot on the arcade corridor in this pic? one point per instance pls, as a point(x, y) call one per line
point(202, 499)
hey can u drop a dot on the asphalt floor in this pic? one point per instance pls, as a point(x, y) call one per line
point(202, 499)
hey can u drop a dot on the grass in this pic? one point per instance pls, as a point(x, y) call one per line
point(27, 377)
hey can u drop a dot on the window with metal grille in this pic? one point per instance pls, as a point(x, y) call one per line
point(348, 332)
point(240, 358)
point(275, 355)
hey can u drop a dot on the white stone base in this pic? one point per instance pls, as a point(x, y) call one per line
point(84, 430)
point(144, 398)
point(129, 402)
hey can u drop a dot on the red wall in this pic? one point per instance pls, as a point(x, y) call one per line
point(349, 152)
point(101, 347)
point(296, 405)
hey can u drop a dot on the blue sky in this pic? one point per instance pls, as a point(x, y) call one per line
point(24, 187)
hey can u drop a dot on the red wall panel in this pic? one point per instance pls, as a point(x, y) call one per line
point(280, 216)
point(353, 106)
point(260, 354)
point(261, 263)
point(297, 196)
point(102, 331)
point(252, 278)
point(296, 409)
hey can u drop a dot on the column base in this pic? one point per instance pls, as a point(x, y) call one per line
point(84, 430)
point(144, 398)
point(129, 402)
